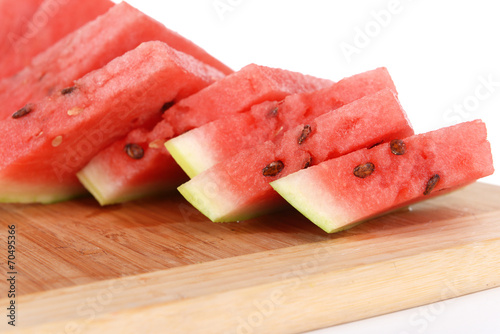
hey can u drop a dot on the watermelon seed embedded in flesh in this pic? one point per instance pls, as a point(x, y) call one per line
point(134, 151)
point(68, 90)
point(308, 162)
point(274, 112)
point(23, 111)
point(167, 106)
point(364, 170)
point(75, 111)
point(57, 141)
point(431, 184)
point(305, 133)
point(398, 147)
point(273, 169)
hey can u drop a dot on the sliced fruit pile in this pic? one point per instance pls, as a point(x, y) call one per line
point(124, 108)
point(46, 143)
point(155, 171)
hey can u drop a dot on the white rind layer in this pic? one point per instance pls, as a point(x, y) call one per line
point(107, 191)
point(97, 183)
point(205, 196)
point(217, 202)
point(308, 196)
point(189, 152)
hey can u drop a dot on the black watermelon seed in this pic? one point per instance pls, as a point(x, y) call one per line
point(274, 112)
point(134, 151)
point(364, 170)
point(273, 169)
point(167, 106)
point(305, 134)
point(431, 184)
point(398, 147)
point(308, 163)
point(68, 90)
point(23, 111)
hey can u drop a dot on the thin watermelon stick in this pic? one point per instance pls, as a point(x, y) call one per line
point(44, 144)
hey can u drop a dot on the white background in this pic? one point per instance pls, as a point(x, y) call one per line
point(438, 53)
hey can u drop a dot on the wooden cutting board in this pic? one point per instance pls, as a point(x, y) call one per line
point(160, 266)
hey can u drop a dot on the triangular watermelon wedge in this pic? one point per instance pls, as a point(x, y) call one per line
point(238, 188)
point(44, 144)
point(343, 192)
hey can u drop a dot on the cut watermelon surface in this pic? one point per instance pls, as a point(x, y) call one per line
point(238, 93)
point(15, 19)
point(238, 188)
point(44, 144)
point(121, 29)
point(342, 192)
point(51, 21)
point(199, 149)
point(156, 171)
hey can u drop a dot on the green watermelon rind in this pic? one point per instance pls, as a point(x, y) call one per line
point(43, 199)
point(32, 195)
point(215, 209)
point(93, 180)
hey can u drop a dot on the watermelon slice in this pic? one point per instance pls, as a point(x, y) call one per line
point(44, 144)
point(238, 188)
point(50, 22)
point(340, 193)
point(238, 93)
point(204, 147)
point(121, 29)
point(156, 171)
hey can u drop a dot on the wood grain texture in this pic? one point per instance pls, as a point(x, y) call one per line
point(158, 264)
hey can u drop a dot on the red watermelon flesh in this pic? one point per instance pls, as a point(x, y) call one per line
point(15, 19)
point(334, 196)
point(121, 29)
point(48, 142)
point(156, 171)
point(201, 148)
point(51, 21)
point(238, 93)
point(238, 188)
